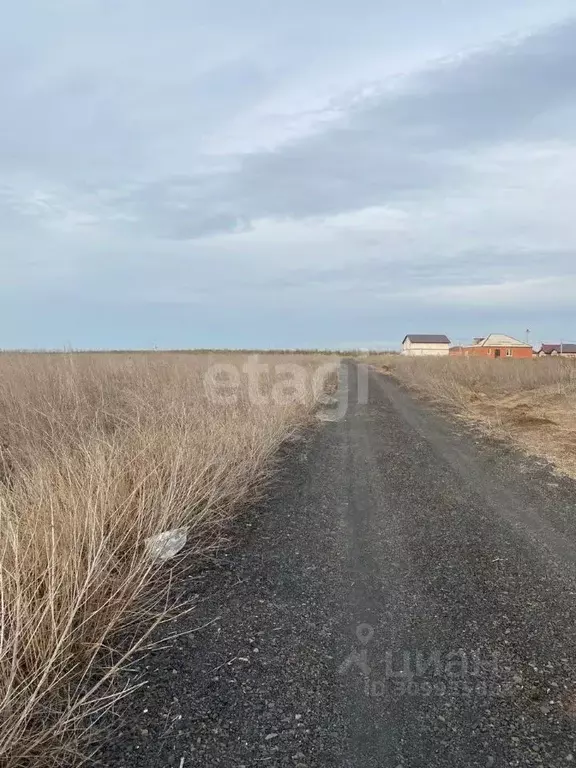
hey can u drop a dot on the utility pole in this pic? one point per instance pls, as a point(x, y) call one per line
point(527, 335)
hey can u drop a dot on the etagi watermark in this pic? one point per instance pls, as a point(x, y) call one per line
point(420, 673)
point(289, 383)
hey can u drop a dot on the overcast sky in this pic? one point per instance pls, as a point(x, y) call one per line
point(313, 173)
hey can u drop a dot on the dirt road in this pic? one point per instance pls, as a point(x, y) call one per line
point(406, 598)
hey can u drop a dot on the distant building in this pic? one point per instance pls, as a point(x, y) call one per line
point(495, 345)
point(552, 350)
point(419, 344)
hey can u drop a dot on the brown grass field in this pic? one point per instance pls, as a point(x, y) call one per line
point(99, 452)
point(531, 402)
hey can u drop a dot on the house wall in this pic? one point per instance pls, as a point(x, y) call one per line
point(476, 351)
point(419, 350)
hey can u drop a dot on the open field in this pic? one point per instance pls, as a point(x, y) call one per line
point(99, 453)
point(532, 402)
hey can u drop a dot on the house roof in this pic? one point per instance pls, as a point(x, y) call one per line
point(427, 338)
point(501, 340)
point(549, 348)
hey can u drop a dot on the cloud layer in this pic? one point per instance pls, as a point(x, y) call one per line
point(396, 168)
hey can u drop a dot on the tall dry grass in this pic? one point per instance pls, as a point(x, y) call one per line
point(98, 453)
point(458, 379)
point(532, 402)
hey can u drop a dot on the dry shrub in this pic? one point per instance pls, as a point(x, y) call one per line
point(98, 453)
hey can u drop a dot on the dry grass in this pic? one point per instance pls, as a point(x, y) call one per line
point(98, 453)
point(532, 402)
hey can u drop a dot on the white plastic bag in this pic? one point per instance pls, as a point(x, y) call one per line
point(167, 544)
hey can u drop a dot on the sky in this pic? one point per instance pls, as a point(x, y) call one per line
point(245, 173)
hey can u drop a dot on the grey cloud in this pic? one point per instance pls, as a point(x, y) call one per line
point(67, 130)
point(84, 125)
point(394, 146)
point(181, 208)
point(13, 218)
point(395, 271)
point(485, 97)
point(398, 144)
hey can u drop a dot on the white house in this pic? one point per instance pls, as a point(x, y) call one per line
point(417, 344)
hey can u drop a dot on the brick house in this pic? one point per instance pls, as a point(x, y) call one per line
point(496, 345)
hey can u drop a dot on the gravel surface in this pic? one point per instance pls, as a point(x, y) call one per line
point(406, 598)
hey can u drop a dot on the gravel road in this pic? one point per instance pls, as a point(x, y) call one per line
point(406, 597)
